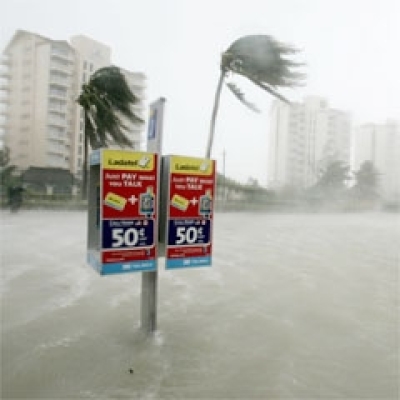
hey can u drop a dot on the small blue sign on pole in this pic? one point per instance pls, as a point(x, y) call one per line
point(155, 125)
point(152, 129)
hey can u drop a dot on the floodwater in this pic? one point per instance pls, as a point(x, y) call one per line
point(294, 307)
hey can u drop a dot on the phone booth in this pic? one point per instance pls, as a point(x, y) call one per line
point(187, 200)
point(122, 211)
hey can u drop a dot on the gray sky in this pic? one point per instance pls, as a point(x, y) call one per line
point(351, 47)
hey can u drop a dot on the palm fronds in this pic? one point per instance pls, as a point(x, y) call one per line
point(263, 61)
point(106, 98)
point(240, 95)
point(107, 101)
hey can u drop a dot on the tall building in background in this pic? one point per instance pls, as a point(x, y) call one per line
point(303, 139)
point(38, 104)
point(137, 83)
point(40, 80)
point(380, 144)
point(90, 56)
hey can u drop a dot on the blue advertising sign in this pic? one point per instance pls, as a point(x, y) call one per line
point(123, 211)
point(121, 234)
point(191, 193)
point(155, 126)
point(188, 231)
point(152, 130)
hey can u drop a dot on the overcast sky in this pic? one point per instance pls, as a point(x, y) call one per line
point(351, 47)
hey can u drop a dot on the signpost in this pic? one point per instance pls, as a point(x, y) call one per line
point(148, 309)
point(133, 220)
point(191, 193)
point(123, 224)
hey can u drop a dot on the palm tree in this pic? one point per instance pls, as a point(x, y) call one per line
point(8, 172)
point(106, 100)
point(334, 178)
point(367, 180)
point(262, 60)
point(9, 177)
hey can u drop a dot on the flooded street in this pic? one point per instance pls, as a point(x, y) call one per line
point(295, 306)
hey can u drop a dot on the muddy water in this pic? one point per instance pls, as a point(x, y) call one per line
point(295, 306)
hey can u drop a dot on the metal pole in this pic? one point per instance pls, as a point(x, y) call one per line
point(148, 308)
point(223, 173)
point(148, 312)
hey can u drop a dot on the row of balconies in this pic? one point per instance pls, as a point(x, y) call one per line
point(57, 160)
point(62, 55)
point(57, 137)
point(65, 69)
point(59, 81)
point(57, 147)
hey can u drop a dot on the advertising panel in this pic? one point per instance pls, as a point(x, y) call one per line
point(128, 211)
point(189, 222)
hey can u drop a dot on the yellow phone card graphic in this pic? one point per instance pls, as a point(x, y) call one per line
point(115, 201)
point(180, 202)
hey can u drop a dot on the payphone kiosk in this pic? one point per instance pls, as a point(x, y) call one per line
point(187, 198)
point(123, 211)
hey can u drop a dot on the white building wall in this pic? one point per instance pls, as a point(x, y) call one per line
point(380, 144)
point(137, 83)
point(278, 145)
point(91, 55)
point(40, 80)
point(304, 138)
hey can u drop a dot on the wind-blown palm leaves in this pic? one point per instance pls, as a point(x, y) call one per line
point(265, 62)
point(106, 100)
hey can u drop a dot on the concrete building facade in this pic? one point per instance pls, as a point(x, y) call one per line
point(40, 80)
point(303, 138)
point(380, 144)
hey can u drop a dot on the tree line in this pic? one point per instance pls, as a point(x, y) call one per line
point(336, 187)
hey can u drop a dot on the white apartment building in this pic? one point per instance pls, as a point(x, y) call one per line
point(303, 138)
point(38, 103)
point(137, 83)
point(380, 144)
point(40, 80)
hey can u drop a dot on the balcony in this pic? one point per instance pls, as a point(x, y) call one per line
point(61, 54)
point(58, 108)
point(4, 124)
point(65, 69)
point(5, 60)
point(58, 96)
point(58, 81)
point(58, 150)
point(5, 73)
point(57, 145)
point(57, 122)
point(5, 86)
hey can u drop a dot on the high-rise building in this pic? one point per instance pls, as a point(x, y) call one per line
point(137, 83)
point(90, 56)
point(40, 80)
point(39, 74)
point(303, 139)
point(380, 144)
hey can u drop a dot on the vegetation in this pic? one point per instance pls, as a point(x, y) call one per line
point(263, 61)
point(367, 178)
point(106, 100)
point(333, 179)
point(337, 189)
point(8, 173)
point(365, 190)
